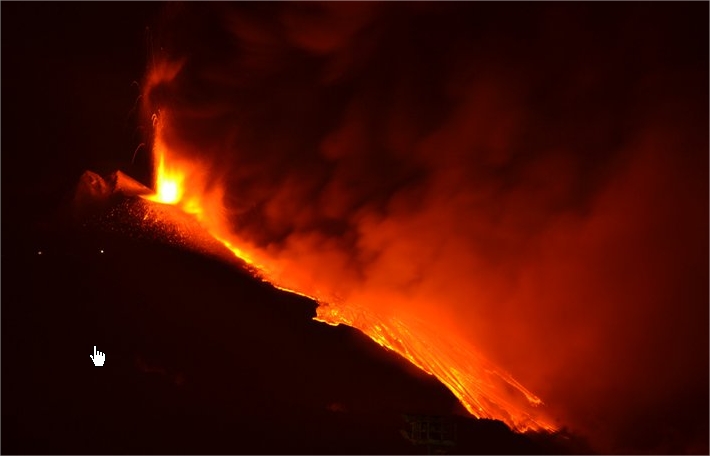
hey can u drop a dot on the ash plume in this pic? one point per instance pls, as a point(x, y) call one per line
point(530, 179)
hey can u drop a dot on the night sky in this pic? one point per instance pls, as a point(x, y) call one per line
point(531, 177)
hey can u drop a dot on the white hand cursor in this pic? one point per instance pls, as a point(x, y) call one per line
point(98, 358)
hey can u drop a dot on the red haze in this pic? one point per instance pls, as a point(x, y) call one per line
point(530, 180)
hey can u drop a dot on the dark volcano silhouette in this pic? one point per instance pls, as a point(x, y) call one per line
point(201, 357)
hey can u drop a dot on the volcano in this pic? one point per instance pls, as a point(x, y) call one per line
point(201, 356)
point(335, 226)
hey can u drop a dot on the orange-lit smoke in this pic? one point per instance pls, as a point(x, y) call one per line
point(512, 204)
point(484, 389)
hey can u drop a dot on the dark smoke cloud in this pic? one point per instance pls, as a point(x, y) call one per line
point(534, 176)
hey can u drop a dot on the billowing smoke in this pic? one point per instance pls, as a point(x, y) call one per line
point(529, 178)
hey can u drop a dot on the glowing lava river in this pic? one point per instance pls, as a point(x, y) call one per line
point(485, 390)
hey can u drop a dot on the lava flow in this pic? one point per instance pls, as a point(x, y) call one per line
point(485, 390)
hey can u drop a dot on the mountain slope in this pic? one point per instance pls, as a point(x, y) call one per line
point(201, 357)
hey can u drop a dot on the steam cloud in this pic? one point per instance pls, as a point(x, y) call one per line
point(532, 178)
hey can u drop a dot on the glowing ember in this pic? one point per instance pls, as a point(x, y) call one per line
point(485, 390)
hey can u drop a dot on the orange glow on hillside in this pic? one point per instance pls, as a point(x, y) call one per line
point(485, 390)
